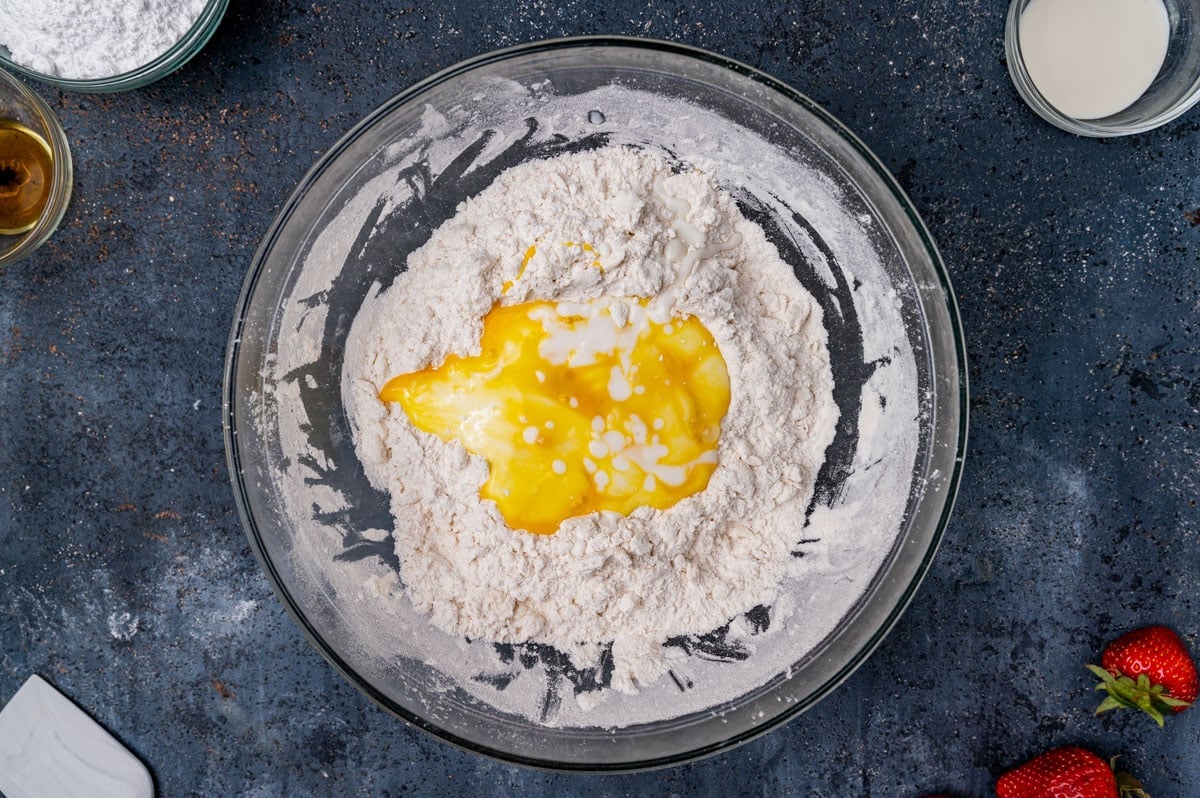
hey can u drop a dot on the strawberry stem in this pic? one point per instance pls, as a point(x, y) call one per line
point(1129, 787)
point(1124, 692)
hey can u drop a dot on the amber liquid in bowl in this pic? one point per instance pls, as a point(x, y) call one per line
point(26, 174)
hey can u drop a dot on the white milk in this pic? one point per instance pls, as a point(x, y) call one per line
point(1093, 58)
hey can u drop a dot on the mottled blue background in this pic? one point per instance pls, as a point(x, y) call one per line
point(126, 579)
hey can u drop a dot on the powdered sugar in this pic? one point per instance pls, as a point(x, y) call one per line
point(86, 39)
point(639, 580)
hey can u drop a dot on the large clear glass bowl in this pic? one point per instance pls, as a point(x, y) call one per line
point(888, 305)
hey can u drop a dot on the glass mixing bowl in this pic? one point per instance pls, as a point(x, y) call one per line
point(180, 53)
point(323, 534)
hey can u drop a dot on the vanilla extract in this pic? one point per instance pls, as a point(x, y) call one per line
point(26, 174)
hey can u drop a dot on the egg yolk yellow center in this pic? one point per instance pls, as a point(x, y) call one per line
point(578, 407)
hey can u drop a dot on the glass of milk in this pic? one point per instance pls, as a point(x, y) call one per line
point(1105, 67)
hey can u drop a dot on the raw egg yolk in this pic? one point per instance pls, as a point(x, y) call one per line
point(508, 284)
point(578, 407)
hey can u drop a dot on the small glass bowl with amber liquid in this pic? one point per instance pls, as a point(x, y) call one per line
point(35, 171)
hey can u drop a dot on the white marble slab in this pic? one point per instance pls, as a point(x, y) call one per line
point(50, 749)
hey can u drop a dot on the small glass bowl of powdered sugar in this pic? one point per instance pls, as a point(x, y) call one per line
point(1105, 68)
point(104, 45)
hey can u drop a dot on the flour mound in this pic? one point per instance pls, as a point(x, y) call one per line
point(634, 581)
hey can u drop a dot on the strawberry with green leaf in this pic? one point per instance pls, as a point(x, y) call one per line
point(1067, 772)
point(1148, 669)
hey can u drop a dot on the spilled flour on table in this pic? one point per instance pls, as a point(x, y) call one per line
point(634, 581)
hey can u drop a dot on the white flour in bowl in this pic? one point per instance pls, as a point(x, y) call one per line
point(336, 560)
point(88, 39)
point(638, 580)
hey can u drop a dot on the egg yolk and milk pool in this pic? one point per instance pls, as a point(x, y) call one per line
point(578, 407)
point(611, 404)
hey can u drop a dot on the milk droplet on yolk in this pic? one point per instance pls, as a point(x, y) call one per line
point(576, 412)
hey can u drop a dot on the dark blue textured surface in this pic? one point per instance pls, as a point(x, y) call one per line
point(126, 580)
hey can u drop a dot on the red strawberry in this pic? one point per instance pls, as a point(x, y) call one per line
point(1147, 669)
point(1067, 772)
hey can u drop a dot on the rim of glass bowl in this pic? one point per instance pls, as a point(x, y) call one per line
point(60, 185)
point(229, 401)
point(180, 53)
point(1092, 128)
